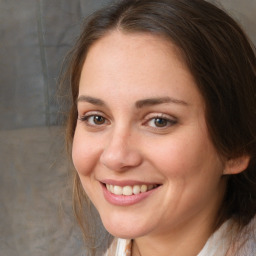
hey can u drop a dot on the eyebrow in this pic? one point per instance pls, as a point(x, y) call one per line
point(92, 100)
point(138, 104)
point(157, 101)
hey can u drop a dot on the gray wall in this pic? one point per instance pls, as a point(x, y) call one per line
point(35, 35)
point(35, 193)
point(36, 215)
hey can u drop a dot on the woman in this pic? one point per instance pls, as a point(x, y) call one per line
point(163, 128)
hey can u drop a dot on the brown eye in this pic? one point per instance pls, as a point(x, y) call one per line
point(160, 122)
point(98, 120)
point(94, 120)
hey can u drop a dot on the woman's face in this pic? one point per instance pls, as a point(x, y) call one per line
point(141, 146)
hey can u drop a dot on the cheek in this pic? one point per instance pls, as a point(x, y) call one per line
point(187, 156)
point(84, 154)
point(85, 158)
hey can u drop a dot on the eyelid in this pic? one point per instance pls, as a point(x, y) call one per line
point(91, 113)
point(172, 120)
point(160, 115)
point(84, 118)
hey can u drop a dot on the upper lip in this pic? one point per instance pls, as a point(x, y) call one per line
point(123, 183)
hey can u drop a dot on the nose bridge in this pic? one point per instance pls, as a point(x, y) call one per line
point(120, 151)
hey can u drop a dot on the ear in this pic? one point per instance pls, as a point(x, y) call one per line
point(236, 165)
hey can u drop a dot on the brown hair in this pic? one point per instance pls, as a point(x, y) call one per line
point(223, 63)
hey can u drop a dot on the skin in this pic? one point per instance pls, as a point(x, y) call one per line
point(121, 70)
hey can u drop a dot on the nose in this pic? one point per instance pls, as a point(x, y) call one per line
point(121, 152)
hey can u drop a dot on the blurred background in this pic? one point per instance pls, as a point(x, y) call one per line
point(36, 215)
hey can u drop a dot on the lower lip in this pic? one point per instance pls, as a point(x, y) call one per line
point(122, 200)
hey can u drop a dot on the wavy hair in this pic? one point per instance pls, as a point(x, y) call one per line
point(222, 61)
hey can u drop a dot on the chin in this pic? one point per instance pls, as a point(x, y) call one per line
point(124, 229)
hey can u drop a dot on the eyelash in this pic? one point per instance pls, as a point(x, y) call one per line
point(167, 121)
point(86, 118)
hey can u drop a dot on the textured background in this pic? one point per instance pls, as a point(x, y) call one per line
point(35, 192)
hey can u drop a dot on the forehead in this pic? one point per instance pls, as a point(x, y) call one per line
point(136, 44)
point(128, 63)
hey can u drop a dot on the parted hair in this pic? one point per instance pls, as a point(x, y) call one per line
point(222, 61)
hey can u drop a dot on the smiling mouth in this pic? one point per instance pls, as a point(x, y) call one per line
point(129, 190)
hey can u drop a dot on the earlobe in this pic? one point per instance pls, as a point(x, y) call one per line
point(236, 165)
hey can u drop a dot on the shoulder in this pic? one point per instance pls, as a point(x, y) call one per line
point(229, 240)
point(245, 242)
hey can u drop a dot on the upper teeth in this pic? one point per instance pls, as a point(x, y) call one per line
point(129, 190)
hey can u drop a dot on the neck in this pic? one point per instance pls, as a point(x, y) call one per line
point(186, 239)
point(179, 243)
point(135, 249)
